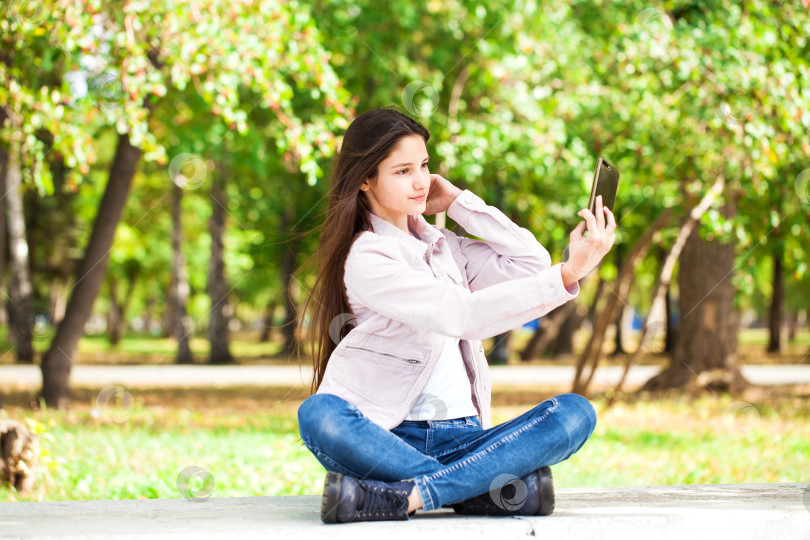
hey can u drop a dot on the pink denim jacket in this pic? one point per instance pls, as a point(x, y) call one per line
point(408, 295)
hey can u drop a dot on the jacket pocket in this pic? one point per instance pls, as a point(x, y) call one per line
point(410, 360)
point(381, 377)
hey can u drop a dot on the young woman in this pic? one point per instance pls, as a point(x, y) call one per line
point(401, 414)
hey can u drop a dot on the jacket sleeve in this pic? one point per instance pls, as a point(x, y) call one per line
point(506, 252)
point(380, 277)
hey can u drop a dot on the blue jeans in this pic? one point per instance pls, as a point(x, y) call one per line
point(449, 460)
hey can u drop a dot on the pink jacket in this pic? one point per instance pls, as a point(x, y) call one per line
point(408, 295)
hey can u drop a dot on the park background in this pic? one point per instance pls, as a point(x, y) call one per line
point(164, 166)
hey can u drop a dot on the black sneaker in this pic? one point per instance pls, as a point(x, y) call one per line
point(347, 499)
point(532, 495)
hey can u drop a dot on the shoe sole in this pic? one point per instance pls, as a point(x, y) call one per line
point(331, 496)
point(546, 491)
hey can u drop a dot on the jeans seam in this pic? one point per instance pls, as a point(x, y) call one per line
point(454, 449)
point(426, 505)
point(325, 457)
point(335, 465)
point(478, 455)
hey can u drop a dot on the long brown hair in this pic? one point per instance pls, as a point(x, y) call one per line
point(369, 140)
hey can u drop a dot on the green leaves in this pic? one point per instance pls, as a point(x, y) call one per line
point(520, 100)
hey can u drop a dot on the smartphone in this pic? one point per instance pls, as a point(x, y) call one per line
point(605, 183)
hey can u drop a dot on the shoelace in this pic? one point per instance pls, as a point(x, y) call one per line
point(382, 501)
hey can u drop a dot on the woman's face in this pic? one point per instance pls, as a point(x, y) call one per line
point(400, 177)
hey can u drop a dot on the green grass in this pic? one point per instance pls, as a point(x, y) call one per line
point(247, 439)
point(643, 457)
point(144, 348)
point(139, 453)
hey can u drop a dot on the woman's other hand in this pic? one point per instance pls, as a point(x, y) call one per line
point(440, 195)
point(586, 252)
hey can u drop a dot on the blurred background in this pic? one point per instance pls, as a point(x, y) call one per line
point(165, 164)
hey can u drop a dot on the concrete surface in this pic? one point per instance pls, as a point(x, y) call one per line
point(737, 511)
point(167, 375)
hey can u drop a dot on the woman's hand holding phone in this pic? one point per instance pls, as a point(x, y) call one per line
point(586, 252)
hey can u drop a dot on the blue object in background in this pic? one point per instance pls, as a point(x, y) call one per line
point(533, 324)
point(637, 320)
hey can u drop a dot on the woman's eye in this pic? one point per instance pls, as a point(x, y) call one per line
point(402, 171)
point(424, 164)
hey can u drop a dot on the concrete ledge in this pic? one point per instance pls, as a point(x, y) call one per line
point(773, 511)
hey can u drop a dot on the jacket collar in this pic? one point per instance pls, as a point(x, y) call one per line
point(417, 223)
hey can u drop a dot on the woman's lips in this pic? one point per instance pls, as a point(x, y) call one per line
point(422, 198)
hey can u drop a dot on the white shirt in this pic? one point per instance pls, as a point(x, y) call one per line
point(448, 393)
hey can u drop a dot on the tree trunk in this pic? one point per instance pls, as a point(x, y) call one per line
point(662, 282)
point(671, 338)
point(19, 451)
point(267, 324)
point(180, 291)
point(149, 312)
point(117, 318)
point(548, 332)
point(288, 327)
point(218, 333)
point(499, 354)
point(777, 298)
point(593, 350)
point(114, 315)
point(532, 349)
point(89, 276)
point(58, 301)
point(706, 355)
point(793, 322)
point(3, 172)
point(20, 288)
point(618, 347)
point(564, 342)
point(167, 317)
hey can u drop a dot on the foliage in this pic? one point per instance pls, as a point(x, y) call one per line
point(519, 98)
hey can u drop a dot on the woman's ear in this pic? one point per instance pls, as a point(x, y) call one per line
point(367, 183)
